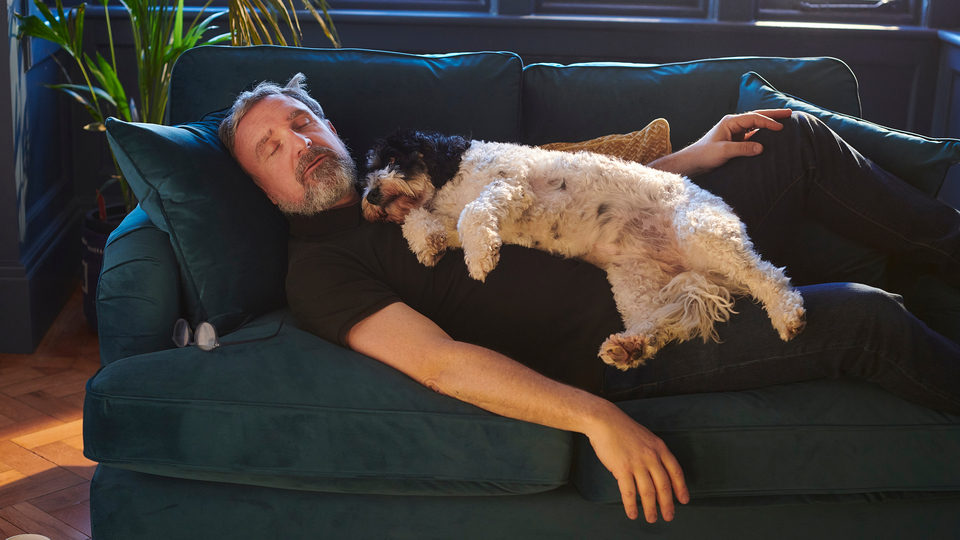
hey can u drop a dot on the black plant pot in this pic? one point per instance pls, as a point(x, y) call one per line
point(94, 238)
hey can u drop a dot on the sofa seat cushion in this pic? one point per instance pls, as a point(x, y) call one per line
point(582, 101)
point(838, 440)
point(297, 412)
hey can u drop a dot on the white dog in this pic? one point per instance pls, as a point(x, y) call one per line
point(674, 253)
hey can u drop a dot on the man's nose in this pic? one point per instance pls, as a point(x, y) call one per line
point(303, 143)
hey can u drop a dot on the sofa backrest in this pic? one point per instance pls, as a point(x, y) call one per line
point(366, 94)
point(581, 101)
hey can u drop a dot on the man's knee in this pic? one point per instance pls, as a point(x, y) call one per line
point(854, 302)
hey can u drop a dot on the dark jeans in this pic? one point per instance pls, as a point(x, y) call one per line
point(807, 175)
point(809, 189)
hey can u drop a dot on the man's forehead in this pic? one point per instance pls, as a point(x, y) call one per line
point(273, 110)
point(263, 116)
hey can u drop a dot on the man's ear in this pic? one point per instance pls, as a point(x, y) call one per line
point(330, 125)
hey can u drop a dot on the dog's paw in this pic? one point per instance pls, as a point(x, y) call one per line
point(790, 318)
point(430, 258)
point(432, 248)
point(628, 351)
point(480, 266)
point(792, 323)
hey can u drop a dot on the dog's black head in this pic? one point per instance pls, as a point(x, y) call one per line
point(405, 169)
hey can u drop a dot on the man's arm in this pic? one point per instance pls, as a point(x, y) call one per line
point(728, 139)
point(404, 339)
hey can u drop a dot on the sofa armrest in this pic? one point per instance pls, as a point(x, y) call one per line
point(138, 298)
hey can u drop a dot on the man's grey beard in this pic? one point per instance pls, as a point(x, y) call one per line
point(330, 182)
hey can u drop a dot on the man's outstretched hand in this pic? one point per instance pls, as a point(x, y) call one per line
point(728, 139)
point(640, 462)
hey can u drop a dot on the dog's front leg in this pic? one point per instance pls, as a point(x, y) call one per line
point(426, 235)
point(480, 223)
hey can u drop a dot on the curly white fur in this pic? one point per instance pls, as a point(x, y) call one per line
point(674, 253)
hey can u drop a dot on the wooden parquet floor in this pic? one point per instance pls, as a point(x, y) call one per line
point(44, 478)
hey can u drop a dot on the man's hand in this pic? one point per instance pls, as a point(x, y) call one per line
point(641, 463)
point(728, 139)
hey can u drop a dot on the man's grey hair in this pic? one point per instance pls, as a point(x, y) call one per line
point(295, 88)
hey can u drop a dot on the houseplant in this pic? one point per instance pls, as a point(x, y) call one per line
point(257, 22)
point(159, 37)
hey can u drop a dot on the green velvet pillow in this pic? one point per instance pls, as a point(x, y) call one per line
point(920, 161)
point(230, 240)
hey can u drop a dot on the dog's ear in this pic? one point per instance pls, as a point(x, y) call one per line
point(373, 158)
point(443, 161)
point(402, 149)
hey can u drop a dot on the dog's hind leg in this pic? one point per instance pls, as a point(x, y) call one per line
point(501, 202)
point(636, 285)
point(715, 241)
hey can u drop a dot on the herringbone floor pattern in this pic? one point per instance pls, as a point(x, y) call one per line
point(44, 478)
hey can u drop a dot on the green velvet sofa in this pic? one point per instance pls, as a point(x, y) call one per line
point(291, 437)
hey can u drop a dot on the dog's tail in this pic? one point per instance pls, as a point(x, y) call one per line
point(692, 303)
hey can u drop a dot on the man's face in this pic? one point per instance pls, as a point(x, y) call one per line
point(298, 159)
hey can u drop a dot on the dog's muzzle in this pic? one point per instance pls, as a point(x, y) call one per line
point(373, 197)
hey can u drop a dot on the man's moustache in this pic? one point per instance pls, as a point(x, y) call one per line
point(307, 159)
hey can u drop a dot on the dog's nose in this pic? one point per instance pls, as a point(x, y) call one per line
point(373, 197)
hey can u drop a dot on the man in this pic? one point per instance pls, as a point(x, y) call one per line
point(356, 283)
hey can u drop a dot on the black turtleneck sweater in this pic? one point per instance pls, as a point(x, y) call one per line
point(548, 313)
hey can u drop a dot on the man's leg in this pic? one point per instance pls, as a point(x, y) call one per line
point(852, 330)
point(808, 178)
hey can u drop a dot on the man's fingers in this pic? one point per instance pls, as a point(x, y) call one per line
point(673, 468)
point(730, 150)
point(648, 496)
point(766, 119)
point(628, 492)
point(775, 114)
point(664, 492)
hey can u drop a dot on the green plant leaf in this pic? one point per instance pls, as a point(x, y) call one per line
point(83, 101)
point(58, 24)
point(134, 115)
point(328, 29)
point(269, 19)
point(111, 83)
point(52, 28)
point(254, 22)
point(80, 88)
point(32, 26)
point(216, 40)
point(45, 11)
point(95, 126)
point(110, 181)
point(178, 26)
point(75, 19)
